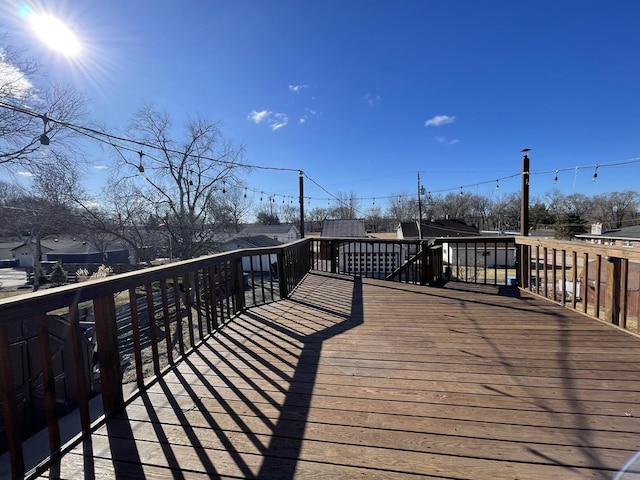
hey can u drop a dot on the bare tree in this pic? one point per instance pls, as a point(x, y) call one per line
point(231, 208)
point(402, 207)
point(347, 206)
point(613, 208)
point(177, 179)
point(27, 113)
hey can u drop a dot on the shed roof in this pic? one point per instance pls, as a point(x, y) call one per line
point(343, 228)
point(255, 241)
point(625, 233)
point(255, 229)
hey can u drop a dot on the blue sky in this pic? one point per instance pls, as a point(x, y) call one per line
point(363, 94)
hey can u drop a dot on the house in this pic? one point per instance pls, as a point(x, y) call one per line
point(282, 233)
point(25, 252)
point(7, 258)
point(489, 254)
point(619, 237)
point(260, 263)
point(436, 229)
point(343, 229)
point(81, 252)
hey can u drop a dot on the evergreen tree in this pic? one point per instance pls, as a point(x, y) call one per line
point(58, 274)
point(568, 226)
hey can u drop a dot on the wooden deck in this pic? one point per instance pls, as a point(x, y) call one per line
point(371, 379)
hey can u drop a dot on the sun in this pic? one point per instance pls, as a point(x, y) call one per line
point(55, 34)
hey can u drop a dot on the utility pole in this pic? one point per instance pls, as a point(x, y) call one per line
point(301, 204)
point(524, 201)
point(420, 188)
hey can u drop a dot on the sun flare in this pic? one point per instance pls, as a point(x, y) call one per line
point(55, 34)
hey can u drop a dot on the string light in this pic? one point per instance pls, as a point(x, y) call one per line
point(120, 142)
point(44, 139)
point(140, 167)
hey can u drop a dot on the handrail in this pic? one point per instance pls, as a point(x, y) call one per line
point(601, 281)
point(194, 298)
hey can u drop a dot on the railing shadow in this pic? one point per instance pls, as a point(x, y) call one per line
point(287, 434)
point(241, 364)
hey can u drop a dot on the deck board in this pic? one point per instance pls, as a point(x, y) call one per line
point(363, 378)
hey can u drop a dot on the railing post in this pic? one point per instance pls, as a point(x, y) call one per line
point(282, 274)
point(425, 271)
point(48, 383)
point(333, 251)
point(108, 354)
point(239, 286)
point(11, 422)
point(612, 313)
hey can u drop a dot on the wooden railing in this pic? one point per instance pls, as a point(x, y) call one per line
point(137, 325)
point(600, 281)
point(409, 261)
point(483, 260)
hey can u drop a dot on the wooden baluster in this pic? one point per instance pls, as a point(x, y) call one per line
point(176, 296)
point(108, 355)
point(48, 382)
point(612, 311)
point(80, 362)
point(166, 319)
point(11, 421)
point(153, 335)
point(598, 286)
point(135, 332)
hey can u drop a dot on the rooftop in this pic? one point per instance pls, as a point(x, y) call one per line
point(467, 382)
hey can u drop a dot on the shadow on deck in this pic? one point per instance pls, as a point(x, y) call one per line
point(351, 378)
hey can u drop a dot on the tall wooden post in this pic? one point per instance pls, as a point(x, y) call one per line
point(524, 201)
point(301, 204)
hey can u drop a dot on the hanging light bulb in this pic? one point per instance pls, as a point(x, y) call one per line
point(461, 191)
point(429, 196)
point(140, 167)
point(261, 193)
point(555, 179)
point(44, 139)
point(595, 174)
point(374, 201)
point(245, 192)
point(224, 186)
point(497, 184)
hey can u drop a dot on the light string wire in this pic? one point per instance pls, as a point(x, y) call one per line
point(111, 139)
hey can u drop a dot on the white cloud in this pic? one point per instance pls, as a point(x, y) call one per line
point(100, 167)
point(258, 117)
point(301, 120)
point(372, 99)
point(297, 88)
point(275, 120)
point(13, 83)
point(439, 120)
point(445, 140)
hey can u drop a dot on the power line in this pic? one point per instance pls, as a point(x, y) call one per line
point(134, 146)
